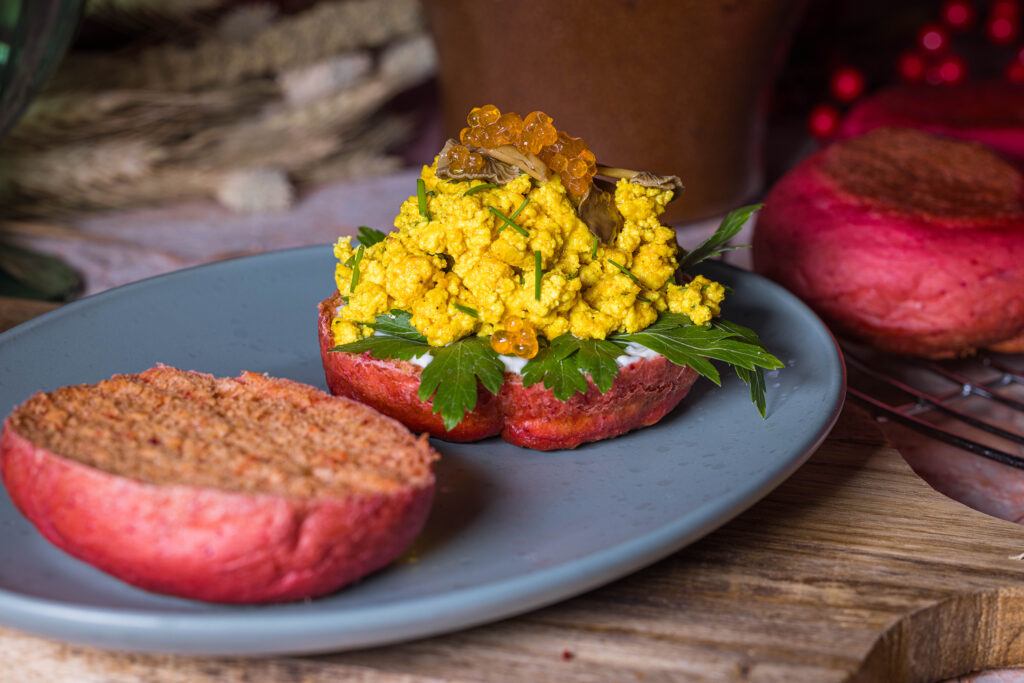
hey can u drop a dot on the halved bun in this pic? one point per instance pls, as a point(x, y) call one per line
point(911, 242)
point(244, 490)
point(643, 393)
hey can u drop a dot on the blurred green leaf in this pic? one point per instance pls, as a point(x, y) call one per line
point(32, 275)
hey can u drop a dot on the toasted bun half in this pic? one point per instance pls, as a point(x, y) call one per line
point(643, 393)
point(908, 241)
point(246, 490)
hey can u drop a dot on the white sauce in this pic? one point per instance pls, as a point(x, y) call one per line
point(635, 352)
point(513, 364)
point(422, 361)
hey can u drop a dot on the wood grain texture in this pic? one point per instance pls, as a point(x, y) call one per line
point(16, 311)
point(852, 570)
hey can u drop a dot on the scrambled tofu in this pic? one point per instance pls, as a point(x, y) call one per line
point(465, 259)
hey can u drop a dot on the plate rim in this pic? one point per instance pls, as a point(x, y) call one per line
point(388, 623)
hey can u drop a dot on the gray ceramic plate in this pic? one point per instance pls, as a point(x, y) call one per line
point(511, 530)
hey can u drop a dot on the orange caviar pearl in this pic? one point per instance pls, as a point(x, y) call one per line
point(482, 116)
point(460, 159)
point(536, 134)
point(526, 346)
point(501, 343)
point(517, 338)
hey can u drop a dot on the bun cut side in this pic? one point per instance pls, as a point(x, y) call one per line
point(244, 490)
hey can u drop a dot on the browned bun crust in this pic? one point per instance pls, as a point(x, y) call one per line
point(991, 113)
point(643, 393)
point(251, 542)
point(902, 239)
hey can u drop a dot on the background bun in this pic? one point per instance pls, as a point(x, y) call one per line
point(909, 241)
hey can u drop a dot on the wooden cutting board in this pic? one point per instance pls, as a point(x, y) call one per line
point(853, 569)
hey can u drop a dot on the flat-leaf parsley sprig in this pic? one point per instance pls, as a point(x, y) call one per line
point(451, 376)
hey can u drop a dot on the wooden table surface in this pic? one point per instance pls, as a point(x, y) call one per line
point(853, 569)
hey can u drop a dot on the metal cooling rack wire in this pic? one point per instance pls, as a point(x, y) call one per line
point(923, 401)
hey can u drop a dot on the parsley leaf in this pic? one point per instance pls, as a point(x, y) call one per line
point(397, 324)
point(714, 245)
point(451, 378)
point(386, 347)
point(561, 365)
point(368, 236)
point(684, 343)
point(754, 379)
point(597, 357)
point(395, 338)
point(561, 375)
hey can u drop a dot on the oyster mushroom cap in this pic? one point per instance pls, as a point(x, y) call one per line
point(598, 211)
point(494, 170)
point(645, 178)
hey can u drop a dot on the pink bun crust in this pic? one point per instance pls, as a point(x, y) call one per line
point(643, 393)
point(906, 283)
point(208, 544)
point(989, 113)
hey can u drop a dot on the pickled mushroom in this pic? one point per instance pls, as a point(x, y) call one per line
point(598, 211)
point(645, 178)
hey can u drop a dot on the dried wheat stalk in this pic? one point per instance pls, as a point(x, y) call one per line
point(65, 118)
point(348, 167)
point(174, 8)
point(62, 170)
point(325, 29)
point(140, 18)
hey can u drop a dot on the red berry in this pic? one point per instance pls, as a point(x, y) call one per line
point(1002, 29)
point(911, 66)
point(847, 84)
point(952, 69)
point(933, 38)
point(958, 14)
point(1015, 72)
point(1006, 8)
point(823, 121)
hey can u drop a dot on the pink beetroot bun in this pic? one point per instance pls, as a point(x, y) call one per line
point(990, 113)
point(911, 242)
point(643, 393)
point(246, 490)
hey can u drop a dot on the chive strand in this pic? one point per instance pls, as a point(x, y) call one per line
point(479, 188)
point(522, 206)
point(536, 274)
point(632, 277)
point(355, 269)
point(593, 249)
point(467, 310)
point(508, 222)
point(421, 197)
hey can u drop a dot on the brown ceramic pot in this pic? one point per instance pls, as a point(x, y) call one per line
point(670, 86)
